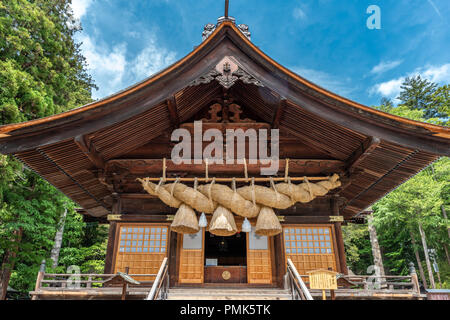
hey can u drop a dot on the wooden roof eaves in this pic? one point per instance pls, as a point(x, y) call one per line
point(368, 121)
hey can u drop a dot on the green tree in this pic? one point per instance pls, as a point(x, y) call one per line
point(420, 94)
point(42, 72)
point(357, 247)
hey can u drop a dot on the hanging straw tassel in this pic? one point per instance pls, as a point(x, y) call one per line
point(160, 192)
point(267, 223)
point(222, 222)
point(269, 197)
point(230, 199)
point(185, 220)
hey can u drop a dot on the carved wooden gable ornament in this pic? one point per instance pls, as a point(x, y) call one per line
point(227, 72)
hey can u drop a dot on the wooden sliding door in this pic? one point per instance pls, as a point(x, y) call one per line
point(259, 265)
point(141, 247)
point(192, 258)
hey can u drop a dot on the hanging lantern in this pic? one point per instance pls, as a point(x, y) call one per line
point(202, 222)
point(246, 226)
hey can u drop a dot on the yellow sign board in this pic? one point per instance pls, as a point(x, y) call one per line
point(322, 279)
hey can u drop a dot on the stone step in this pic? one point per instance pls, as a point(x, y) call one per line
point(230, 290)
point(228, 294)
point(229, 297)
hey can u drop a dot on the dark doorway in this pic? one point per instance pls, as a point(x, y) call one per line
point(225, 258)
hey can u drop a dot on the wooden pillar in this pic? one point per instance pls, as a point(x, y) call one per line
point(280, 268)
point(173, 243)
point(109, 263)
point(339, 237)
point(109, 259)
point(124, 286)
point(341, 249)
point(39, 279)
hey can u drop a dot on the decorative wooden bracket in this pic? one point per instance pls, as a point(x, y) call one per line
point(234, 109)
point(369, 145)
point(89, 150)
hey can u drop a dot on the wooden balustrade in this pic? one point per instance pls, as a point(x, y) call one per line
point(49, 281)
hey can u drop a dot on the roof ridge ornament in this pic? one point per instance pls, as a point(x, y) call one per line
point(209, 28)
point(227, 72)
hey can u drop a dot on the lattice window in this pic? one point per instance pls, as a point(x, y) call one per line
point(141, 247)
point(143, 239)
point(308, 240)
point(309, 247)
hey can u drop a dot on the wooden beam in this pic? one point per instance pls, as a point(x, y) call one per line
point(369, 145)
point(148, 167)
point(141, 218)
point(89, 150)
point(173, 111)
point(278, 113)
point(308, 219)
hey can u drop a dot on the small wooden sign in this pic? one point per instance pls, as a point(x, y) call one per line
point(336, 219)
point(322, 279)
point(114, 217)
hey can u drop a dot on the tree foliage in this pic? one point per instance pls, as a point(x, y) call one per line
point(421, 199)
point(421, 94)
point(42, 72)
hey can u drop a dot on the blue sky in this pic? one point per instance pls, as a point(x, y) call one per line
point(325, 41)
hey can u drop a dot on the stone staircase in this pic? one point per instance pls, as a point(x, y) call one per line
point(228, 294)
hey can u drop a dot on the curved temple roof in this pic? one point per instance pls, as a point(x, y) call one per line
point(384, 149)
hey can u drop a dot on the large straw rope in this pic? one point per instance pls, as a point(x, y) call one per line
point(230, 199)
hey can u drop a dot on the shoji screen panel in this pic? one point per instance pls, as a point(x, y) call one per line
point(141, 247)
point(310, 247)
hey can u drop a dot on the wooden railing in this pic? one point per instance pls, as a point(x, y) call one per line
point(73, 281)
point(368, 282)
point(161, 284)
point(298, 288)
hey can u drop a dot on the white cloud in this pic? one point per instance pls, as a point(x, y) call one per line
point(106, 65)
point(384, 66)
point(79, 7)
point(391, 88)
point(330, 82)
point(435, 8)
point(438, 74)
point(299, 14)
point(112, 71)
point(151, 60)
